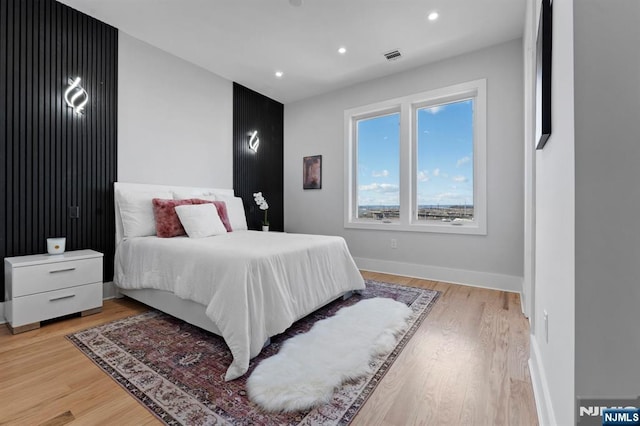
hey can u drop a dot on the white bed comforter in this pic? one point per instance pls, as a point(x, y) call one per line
point(254, 284)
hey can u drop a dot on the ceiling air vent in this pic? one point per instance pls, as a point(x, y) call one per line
point(392, 55)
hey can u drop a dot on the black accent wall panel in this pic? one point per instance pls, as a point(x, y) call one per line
point(261, 170)
point(51, 158)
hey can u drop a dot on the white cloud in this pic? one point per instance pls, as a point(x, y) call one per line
point(387, 199)
point(379, 187)
point(423, 176)
point(439, 173)
point(435, 109)
point(459, 179)
point(451, 195)
point(463, 161)
point(378, 194)
point(383, 173)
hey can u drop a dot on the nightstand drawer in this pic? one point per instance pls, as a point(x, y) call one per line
point(52, 304)
point(54, 276)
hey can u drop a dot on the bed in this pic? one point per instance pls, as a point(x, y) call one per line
point(245, 286)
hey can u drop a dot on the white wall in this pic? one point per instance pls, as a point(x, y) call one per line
point(174, 119)
point(552, 361)
point(607, 118)
point(316, 126)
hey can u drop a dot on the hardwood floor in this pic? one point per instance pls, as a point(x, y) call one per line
point(467, 364)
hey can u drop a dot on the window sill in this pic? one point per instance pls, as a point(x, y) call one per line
point(472, 228)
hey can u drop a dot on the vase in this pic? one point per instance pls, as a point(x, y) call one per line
point(265, 228)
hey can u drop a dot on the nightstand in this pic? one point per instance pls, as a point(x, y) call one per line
point(42, 286)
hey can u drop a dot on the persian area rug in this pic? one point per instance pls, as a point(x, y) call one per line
point(177, 370)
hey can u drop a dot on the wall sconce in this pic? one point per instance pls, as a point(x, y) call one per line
point(75, 96)
point(254, 142)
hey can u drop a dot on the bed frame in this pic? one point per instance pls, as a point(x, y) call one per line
point(186, 310)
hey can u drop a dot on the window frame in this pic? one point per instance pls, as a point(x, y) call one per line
point(408, 106)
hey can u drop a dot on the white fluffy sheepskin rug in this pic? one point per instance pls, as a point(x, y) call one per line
point(308, 367)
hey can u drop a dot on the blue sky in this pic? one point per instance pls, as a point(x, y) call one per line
point(445, 156)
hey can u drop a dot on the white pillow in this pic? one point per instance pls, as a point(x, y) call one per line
point(235, 211)
point(206, 197)
point(220, 192)
point(183, 194)
point(136, 211)
point(200, 220)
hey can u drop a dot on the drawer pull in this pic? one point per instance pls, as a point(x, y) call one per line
point(68, 296)
point(62, 270)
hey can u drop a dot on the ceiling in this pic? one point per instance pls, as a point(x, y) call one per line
point(247, 41)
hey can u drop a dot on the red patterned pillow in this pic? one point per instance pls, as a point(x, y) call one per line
point(167, 221)
point(222, 211)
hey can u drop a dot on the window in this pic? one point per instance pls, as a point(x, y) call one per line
point(444, 138)
point(378, 179)
point(418, 163)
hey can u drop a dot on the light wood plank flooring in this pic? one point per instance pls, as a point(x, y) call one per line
point(466, 365)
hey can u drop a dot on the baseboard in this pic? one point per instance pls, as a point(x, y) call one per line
point(109, 291)
point(2, 320)
point(436, 273)
point(541, 394)
point(522, 302)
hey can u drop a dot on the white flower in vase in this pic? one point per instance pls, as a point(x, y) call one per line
point(262, 203)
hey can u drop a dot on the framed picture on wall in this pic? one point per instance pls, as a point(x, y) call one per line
point(312, 172)
point(543, 76)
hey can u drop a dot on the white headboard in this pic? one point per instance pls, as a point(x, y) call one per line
point(145, 187)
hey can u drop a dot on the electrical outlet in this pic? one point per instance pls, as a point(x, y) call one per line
point(74, 212)
point(394, 243)
point(546, 325)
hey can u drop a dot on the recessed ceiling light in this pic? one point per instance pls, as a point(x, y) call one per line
point(295, 3)
point(279, 74)
point(342, 50)
point(433, 16)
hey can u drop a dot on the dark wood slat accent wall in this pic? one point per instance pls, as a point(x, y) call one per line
point(51, 158)
point(262, 170)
